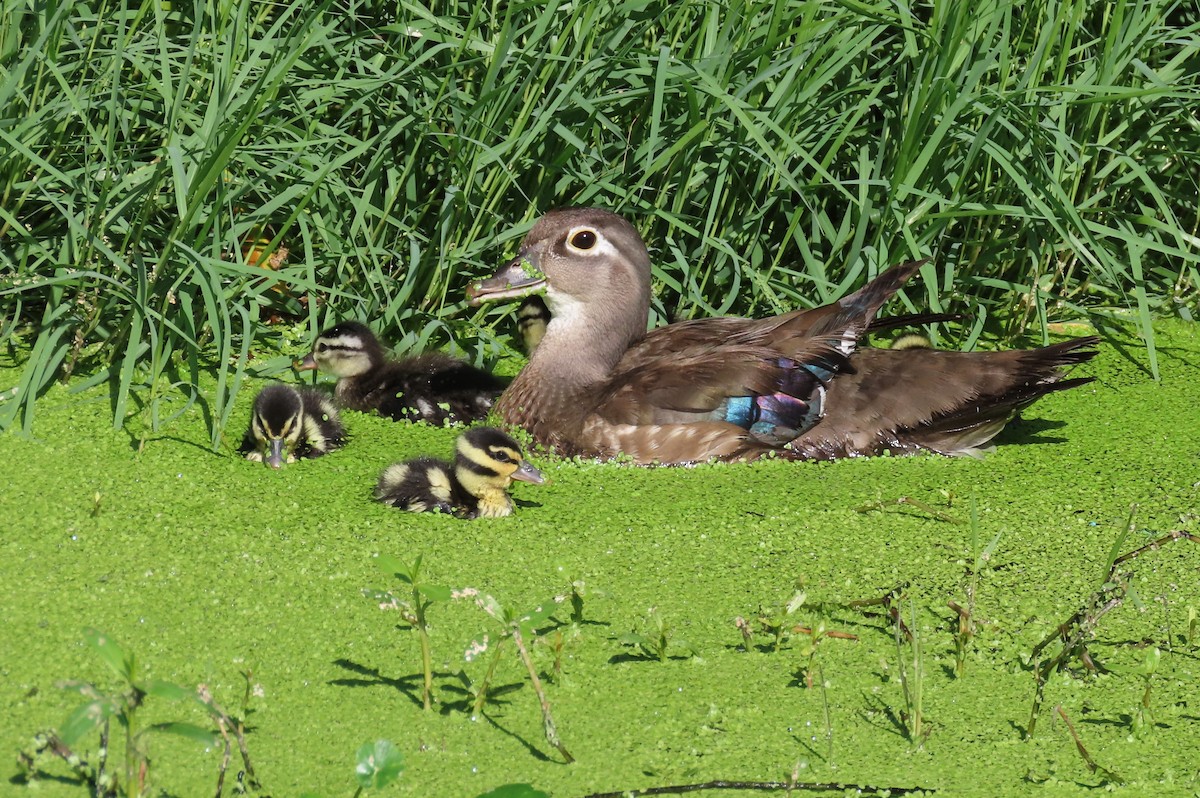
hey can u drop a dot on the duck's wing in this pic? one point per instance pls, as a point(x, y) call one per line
point(711, 402)
point(789, 334)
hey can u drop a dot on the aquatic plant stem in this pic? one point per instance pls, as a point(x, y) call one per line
point(102, 759)
point(482, 692)
point(225, 757)
point(548, 720)
point(128, 717)
point(426, 655)
point(1077, 629)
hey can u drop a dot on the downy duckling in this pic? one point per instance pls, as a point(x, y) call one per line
point(533, 317)
point(288, 424)
point(476, 485)
point(432, 387)
point(911, 341)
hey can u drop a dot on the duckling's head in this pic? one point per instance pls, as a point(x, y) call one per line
point(345, 350)
point(277, 424)
point(487, 462)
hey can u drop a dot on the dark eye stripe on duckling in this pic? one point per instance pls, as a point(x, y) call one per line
point(340, 345)
point(504, 454)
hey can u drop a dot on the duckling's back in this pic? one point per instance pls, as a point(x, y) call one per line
point(433, 387)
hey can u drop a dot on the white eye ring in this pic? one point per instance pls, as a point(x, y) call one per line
point(582, 239)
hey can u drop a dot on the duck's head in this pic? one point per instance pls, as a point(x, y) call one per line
point(344, 350)
point(488, 461)
point(277, 423)
point(592, 267)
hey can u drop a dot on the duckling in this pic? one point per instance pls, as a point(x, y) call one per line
point(432, 387)
point(288, 423)
point(532, 319)
point(799, 385)
point(476, 485)
point(911, 341)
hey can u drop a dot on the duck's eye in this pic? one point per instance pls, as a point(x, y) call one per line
point(501, 456)
point(321, 347)
point(584, 239)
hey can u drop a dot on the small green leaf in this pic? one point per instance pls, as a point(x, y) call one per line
point(113, 655)
point(166, 690)
point(492, 608)
point(379, 764)
point(188, 730)
point(396, 567)
point(538, 614)
point(85, 719)
point(634, 639)
point(435, 592)
point(515, 791)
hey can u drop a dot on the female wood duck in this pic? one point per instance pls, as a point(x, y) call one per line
point(476, 485)
point(288, 424)
point(432, 387)
point(798, 385)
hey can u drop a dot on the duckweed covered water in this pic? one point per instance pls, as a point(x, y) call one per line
point(205, 566)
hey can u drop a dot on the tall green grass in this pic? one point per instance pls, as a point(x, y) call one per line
point(773, 153)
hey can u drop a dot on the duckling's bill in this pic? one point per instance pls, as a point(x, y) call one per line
point(275, 455)
point(527, 473)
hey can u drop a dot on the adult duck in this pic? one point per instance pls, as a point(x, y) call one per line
point(797, 385)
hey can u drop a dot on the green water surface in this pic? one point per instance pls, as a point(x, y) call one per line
point(205, 565)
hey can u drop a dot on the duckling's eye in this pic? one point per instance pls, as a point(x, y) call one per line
point(501, 456)
point(584, 239)
point(321, 347)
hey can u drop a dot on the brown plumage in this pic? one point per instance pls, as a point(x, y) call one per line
point(432, 387)
point(797, 384)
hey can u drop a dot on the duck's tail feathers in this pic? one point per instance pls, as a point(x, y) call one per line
point(968, 429)
point(1067, 353)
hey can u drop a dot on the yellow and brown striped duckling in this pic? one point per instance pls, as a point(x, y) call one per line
point(288, 424)
point(486, 463)
point(432, 387)
point(799, 385)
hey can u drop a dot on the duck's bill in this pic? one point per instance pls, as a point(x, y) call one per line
point(527, 473)
point(517, 279)
point(309, 363)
